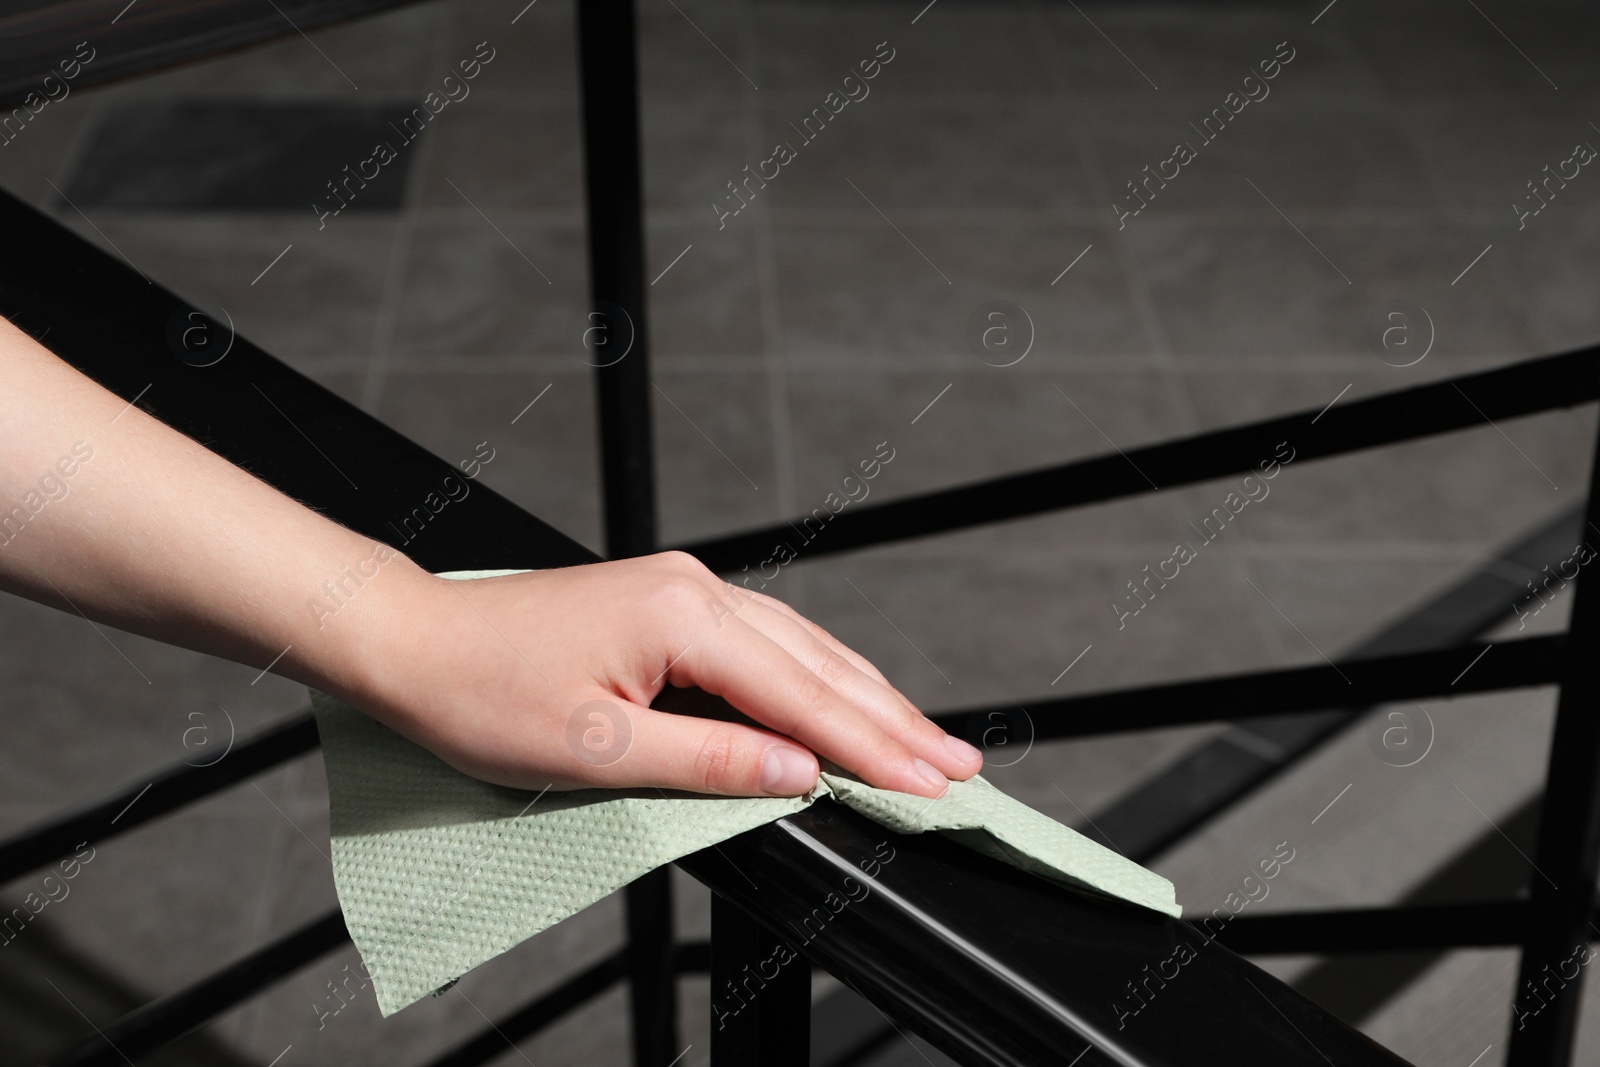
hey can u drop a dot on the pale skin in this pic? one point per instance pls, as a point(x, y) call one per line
point(156, 535)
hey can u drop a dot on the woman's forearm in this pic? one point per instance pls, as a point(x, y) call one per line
point(112, 514)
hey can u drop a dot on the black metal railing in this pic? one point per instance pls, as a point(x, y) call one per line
point(990, 965)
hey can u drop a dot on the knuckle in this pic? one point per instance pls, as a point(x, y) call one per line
point(830, 666)
point(675, 596)
point(813, 695)
point(682, 562)
point(720, 766)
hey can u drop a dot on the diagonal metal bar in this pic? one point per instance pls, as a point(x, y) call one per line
point(154, 795)
point(1524, 388)
point(1518, 664)
point(535, 1016)
point(1568, 850)
point(164, 1021)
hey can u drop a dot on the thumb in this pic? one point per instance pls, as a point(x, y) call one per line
point(619, 744)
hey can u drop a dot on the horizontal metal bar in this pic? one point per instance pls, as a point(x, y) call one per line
point(1218, 773)
point(1524, 388)
point(694, 957)
point(539, 1013)
point(159, 793)
point(1406, 929)
point(164, 1021)
point(1515, 664)
point(999, 967)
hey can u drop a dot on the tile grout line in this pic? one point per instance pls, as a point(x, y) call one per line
point(390, 303)
point(249, 1021)
point(774, 355)
point(1178, 387)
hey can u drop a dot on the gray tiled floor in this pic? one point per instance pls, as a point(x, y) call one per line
point(824, 319)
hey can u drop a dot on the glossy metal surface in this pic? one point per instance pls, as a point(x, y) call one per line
point(998, 967)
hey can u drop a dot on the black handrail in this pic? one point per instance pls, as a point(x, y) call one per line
point(998, 967)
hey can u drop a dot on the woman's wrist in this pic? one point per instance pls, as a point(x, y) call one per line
point(368, 629)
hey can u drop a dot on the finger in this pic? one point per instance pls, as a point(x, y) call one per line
point(953, 756)
point(619, 744)
point(738, 598)
point(756, 675)
point(860, 662)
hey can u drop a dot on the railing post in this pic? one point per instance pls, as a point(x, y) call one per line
point(1547, 1000)
point(613, 187)
point(760, 994)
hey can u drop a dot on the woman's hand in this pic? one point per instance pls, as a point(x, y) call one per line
point(546, 678)
point(527, 680)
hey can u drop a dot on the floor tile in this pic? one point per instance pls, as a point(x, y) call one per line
point(1548, 267)
point(132, 696)
point(501, 152)
point(961, 633)
point(546, 460)
point(471, 292)
point(1298, 159)
point(1014, 156)
point(990, 422)
point(388, 53)
point(716, 462)
point(866, 296)
point(534, 46)
point(32, 159)
point(314, 306)
point(694, 145)
point(1454, 138)
point(1266, 292)
point(955, 48)
point(203, 155)
point(1440, 49)
point(704, 300)
point(694, 47)
point(1148, 54)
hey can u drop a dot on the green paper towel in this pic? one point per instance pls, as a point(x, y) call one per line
point(438, 872)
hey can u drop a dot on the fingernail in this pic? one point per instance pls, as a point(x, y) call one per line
point(787, 772)
point(961, 750)
point(934, 776)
